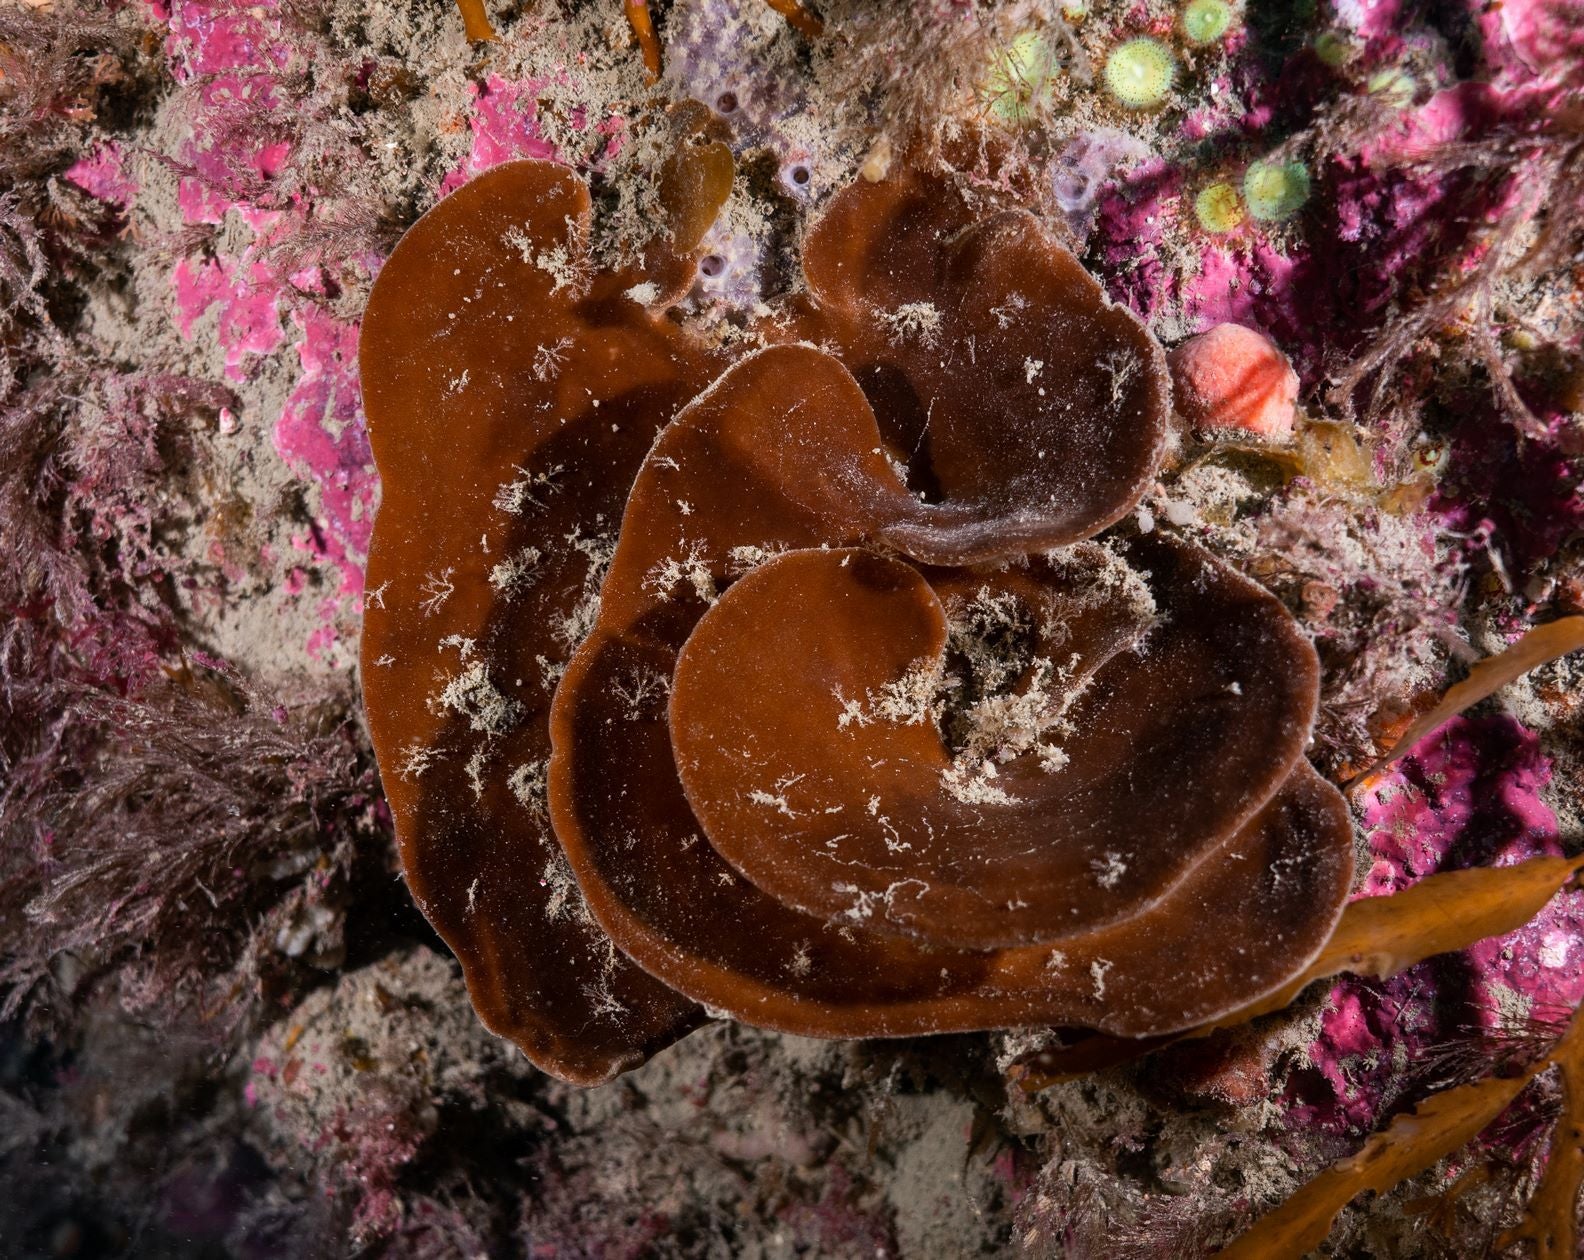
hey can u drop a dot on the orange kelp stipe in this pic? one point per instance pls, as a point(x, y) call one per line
point(1376, 936)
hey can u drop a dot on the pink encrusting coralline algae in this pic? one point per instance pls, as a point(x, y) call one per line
point(1469, 795)
point(247, 298)
point(102, 173)
point(503, 124)
point(321, 430)
point(230, 58)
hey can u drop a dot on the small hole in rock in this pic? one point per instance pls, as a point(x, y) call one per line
point(711, 265)
point(726, 102)
point(800, 174)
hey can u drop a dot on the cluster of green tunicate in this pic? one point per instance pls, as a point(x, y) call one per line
point(1139, 72)
point(1394, 87)
point(1019, 82)
point(1219, 208)
point(1333, 47)
point(1271, 191)
point(1275, 190)
point(1206, 21)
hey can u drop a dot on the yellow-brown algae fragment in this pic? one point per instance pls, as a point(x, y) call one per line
point(475, 22)
point(641, 20)
point(1439, 1126)
point(1536, 648)
point(1551, 1219)
point(798, 17)
point(1436, 1128)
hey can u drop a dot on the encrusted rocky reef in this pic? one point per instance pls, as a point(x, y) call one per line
point(226, 1028)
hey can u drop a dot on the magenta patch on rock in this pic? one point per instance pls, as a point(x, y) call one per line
point(321, 434)
point(1370, 1033)
point(1469, 795)
point(213, 36)
point(101, 173)
point(230, 57)
point(249, 302)
point(1525, 40)
point(504, 122)
point(1523, 496)
point(1255, 286)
